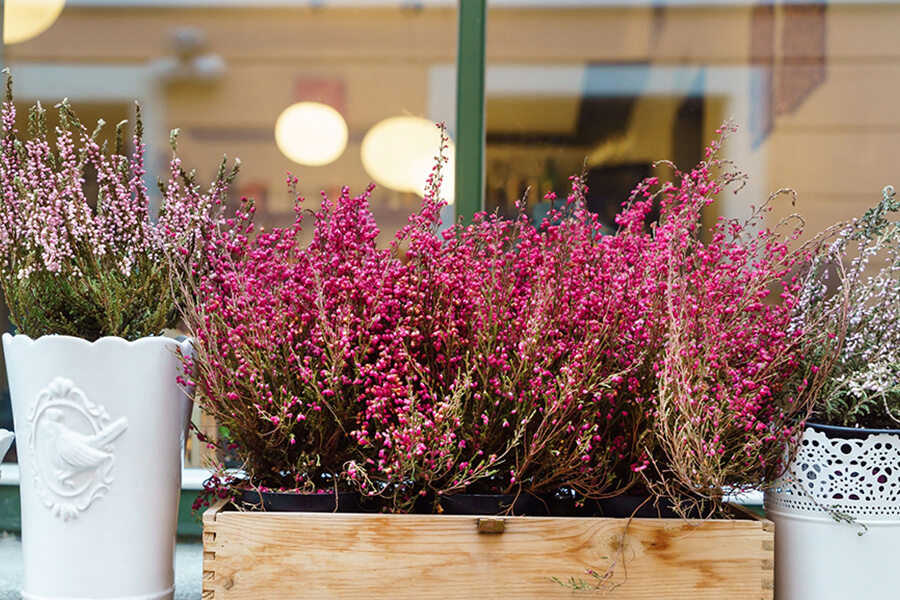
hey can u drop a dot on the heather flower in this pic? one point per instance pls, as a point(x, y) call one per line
point(855, 293)
point(285, 334)
point(91, 267)
point(731, 379)
point(515, 333)
point(502, 357)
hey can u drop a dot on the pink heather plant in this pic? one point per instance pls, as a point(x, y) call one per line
point(519, 330)
point(501, 357)
point(732, 387)
point(91, 267)
point(285, 335)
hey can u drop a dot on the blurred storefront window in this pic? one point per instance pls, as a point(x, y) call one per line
point(612, 86)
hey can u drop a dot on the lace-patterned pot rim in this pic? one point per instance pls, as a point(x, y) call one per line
point(857, 476)
point(853, 433)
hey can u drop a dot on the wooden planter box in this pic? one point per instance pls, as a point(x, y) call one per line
point(272, 556)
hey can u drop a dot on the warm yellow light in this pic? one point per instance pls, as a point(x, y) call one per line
point(25, 19)
point(400, 152)
point(311, 134)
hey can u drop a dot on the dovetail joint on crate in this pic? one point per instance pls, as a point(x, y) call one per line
point(209, 557)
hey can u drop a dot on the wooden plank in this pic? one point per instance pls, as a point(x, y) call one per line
point(426, 557)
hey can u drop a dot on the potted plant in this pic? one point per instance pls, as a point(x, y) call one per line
point(729, 377)
point(504, 358)
point(280, 334)
point(99, 414)
point(837, 506)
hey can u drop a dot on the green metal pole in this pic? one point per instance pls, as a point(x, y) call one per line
point(470, 108)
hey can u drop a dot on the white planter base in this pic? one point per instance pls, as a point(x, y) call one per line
point(166, 595)
point(100, 429)
point(818, 557)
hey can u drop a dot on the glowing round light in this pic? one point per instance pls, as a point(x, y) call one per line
point(25, 19)
point(311, 134)
point(400, 152)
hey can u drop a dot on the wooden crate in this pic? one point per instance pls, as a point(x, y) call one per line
point(272, 556)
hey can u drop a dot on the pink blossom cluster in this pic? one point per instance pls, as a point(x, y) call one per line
point(88, 258)
point(504, 357)
point(47, 220)
point(731, 381)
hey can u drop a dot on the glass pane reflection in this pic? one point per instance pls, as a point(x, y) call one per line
point(622, 84)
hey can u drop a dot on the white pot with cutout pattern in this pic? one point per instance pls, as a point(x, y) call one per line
point(837, 516)
point(101, 429)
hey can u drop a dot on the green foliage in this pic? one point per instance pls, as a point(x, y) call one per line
point(103, 301)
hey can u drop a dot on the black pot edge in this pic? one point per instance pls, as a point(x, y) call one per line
point(293, 502)
point(526, 505)
point(854, 433)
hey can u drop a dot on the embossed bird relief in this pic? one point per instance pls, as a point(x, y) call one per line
point(71, 452)
point(72, 448)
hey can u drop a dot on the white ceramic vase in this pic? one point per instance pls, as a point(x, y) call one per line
point(837, 516)
point(101, 428)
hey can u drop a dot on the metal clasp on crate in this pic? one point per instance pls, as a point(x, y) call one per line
point(491, 525)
